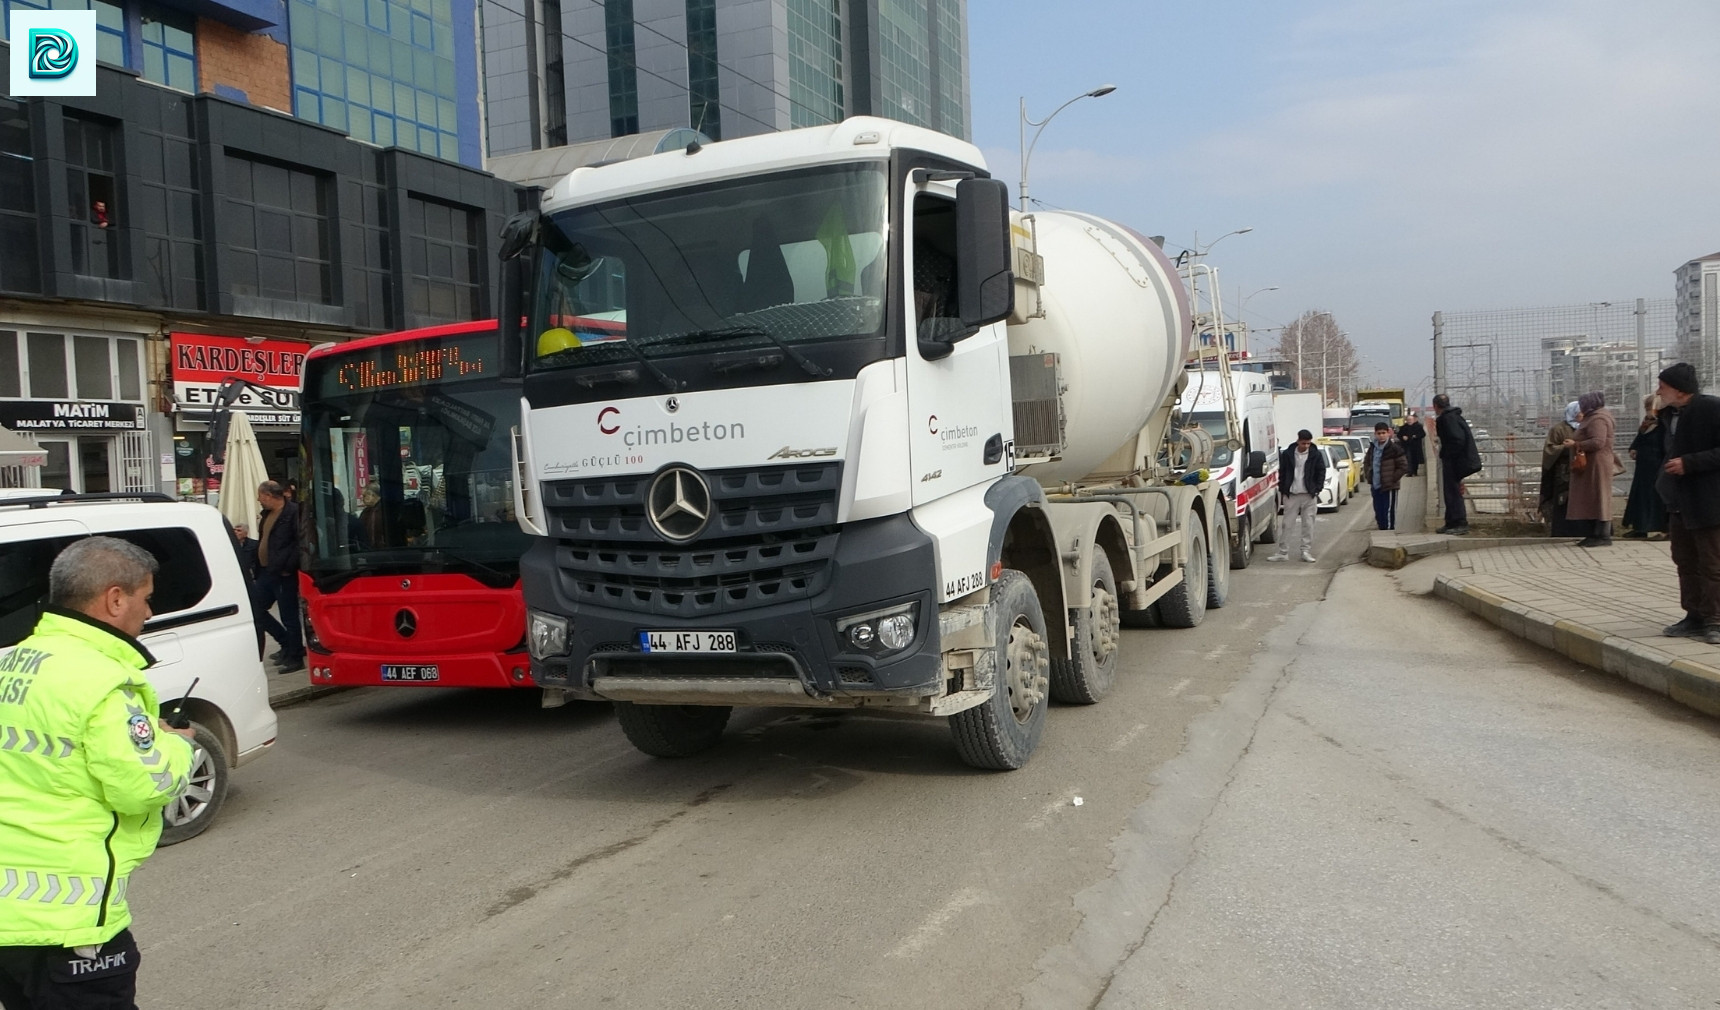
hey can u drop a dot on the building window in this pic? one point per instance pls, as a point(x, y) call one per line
point(554, 77)
point(58, 366)
point(904, 59)
point(275, 221)
point(949, 64)
point(814, 62)
point(110, 23)
point(20, 257)
point(445, 274)
point(381, 70)
point(169, 49)
point(704, 104)
point(93, 210)
point(623, 68)
point(164, 202)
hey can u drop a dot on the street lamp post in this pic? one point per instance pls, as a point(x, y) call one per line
point(1039, 127)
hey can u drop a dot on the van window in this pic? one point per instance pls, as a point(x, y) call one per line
point(181, 582)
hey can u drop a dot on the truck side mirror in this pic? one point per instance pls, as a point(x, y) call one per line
point(985, 281)
point(1256, 464)
point(518, 235)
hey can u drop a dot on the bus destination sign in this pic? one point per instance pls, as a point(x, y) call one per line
point(418, 363)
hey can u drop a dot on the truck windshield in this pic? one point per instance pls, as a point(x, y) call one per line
point(409, 474)
point(779, 266)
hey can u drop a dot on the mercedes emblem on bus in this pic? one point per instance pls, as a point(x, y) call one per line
point(406, 623)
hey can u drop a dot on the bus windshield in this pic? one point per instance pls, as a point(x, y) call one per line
point(410, 467)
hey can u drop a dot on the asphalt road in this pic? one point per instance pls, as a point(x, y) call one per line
point(1368, 801)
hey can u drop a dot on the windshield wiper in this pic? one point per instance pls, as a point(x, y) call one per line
point(806, 364)
point(618, 377)
point(444, 553)
point(760, 362)
point(669, 382)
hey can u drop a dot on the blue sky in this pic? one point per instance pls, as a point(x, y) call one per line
point(1393, 158)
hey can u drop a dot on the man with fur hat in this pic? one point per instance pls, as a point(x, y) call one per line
point(1689, 483)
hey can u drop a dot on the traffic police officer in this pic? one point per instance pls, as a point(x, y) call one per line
point(85, 770)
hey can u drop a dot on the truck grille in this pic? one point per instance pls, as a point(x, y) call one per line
point(771, 540)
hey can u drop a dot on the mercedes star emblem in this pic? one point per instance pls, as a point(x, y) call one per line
point(678, 504)
point(672, 404)
point(406, 623)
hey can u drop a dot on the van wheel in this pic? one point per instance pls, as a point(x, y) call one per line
point(1218, 564)
point(1088, 675)
point(1003, 732)
point(1242, 555)
point(206, 789)
point(672, 731)
point(1185, 604)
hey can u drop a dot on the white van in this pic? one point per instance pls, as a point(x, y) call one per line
point(1247, 477)
point(201, 627)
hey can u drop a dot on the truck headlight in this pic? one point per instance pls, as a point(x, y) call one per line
point(547, 634)
point(880, 632)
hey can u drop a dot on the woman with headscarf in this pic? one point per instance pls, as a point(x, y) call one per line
point(1644, 511)
point(1590, 500)
point(1556, 476)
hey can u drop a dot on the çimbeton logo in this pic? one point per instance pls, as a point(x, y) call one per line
point(53, 53)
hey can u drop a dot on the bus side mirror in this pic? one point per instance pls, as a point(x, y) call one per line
point(1256, 464)
point(985, 280)
point(519, 234)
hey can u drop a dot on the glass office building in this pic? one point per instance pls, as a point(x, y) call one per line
point(558, 72)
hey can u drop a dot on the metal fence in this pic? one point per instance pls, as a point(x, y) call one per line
point(1513, 370)
point(1509, 484)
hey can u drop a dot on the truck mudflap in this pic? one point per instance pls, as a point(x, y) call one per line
point(790, 653)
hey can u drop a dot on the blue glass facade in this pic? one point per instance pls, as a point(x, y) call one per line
point(388, 72)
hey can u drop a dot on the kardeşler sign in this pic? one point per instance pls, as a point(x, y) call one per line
point(201, 362)
point(69, 415)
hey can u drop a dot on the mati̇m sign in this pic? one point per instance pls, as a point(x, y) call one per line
point(53, 53)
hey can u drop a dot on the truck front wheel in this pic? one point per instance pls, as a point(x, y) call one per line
point(672, 731)
point(1003, 732)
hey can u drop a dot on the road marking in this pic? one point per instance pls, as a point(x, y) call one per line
point(1128, 738)
point(935, 924)
point(1179, 687)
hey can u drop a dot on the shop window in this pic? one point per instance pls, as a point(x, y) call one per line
point(20, 258)
point(94, 371)
point(130, 375)
point(47, 366)
point(90, 188)
point(11, 378)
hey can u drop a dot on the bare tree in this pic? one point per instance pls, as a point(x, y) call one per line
point(1320, 355)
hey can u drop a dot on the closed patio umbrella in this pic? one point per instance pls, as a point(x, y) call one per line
point(244, 471)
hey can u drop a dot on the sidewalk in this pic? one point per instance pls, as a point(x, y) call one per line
point(1603, 607)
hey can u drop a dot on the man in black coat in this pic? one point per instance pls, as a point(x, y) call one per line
point(1689, 483)
point(277, 580)
point(1458, 458)
point(1412, 434)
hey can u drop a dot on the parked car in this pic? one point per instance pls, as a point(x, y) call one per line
point(1336, 492)
point(201, 627)
point(1346, 465)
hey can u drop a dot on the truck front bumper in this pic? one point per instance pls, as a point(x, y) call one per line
point(786, 654)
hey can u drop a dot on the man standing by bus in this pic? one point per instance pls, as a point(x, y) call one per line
point(83, 781)
point(277, 581)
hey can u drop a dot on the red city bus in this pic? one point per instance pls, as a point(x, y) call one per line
point(411, 562)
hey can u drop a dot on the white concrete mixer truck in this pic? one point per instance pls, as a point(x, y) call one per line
point(812, 419)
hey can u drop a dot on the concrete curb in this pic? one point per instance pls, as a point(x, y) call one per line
point(1690, 683)
point(1387, 549)
point(282, 697)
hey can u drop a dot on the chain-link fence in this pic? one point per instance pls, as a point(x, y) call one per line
point(1514, 370)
